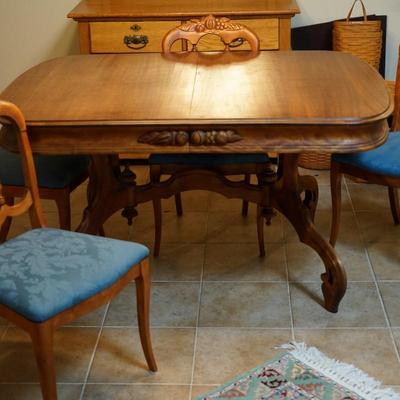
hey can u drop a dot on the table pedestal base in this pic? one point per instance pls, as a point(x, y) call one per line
point(111, 190)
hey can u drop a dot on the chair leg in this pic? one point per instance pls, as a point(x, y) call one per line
point(245, 204)
point(178, 205)
point(155, 177)
point(260, 230)
point(42, 340)
point(5, 228)
point(143, 312)
point(336, 194)
point(394, 204)
point(157, 226)
point(64, 210)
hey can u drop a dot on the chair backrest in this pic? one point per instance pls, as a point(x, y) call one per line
point(396, 113)
point(12, 116)
point(227, 30)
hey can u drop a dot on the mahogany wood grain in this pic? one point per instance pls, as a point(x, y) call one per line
point(91, 9)
point(277, 101)
point(84, 38)
point(281, 99)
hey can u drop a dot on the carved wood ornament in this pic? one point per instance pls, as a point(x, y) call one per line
point(223, 27)
point(195, 138)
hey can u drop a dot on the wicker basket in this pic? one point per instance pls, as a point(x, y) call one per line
point(315, 160)
point(362, 39)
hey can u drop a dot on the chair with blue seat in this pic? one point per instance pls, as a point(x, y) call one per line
point(57, 176)
point(379, 166)
point(50, 277)
point(224, 164)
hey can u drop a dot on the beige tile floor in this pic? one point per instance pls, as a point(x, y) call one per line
point(218, 309)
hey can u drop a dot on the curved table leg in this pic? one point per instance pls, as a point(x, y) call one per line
point(286, 197)
point(309, 185)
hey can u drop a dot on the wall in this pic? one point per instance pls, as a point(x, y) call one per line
point(32, 31)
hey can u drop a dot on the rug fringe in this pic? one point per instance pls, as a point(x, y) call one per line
point(346, 375)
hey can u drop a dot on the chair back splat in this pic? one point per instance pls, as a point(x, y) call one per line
point(227, 30)
point(12, 118)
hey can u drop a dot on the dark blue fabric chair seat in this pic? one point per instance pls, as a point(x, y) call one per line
point(46, 271)
point(53, 172)
point(211, 160)
point(384, 160)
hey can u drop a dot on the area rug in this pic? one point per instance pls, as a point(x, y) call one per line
point(302, 373)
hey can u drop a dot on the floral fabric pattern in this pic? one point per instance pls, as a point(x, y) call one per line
point(46, 271)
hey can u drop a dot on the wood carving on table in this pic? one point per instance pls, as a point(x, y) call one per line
point(231, 34)
point(195, 138)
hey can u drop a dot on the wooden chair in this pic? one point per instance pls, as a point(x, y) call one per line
point(225, 164)
point(379, 166)
point(57, 177)
point(51, 277)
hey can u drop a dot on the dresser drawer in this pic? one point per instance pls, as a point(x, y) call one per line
point(266, 29)
point(130, 37)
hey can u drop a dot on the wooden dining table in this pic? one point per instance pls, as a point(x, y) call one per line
point(235, 102)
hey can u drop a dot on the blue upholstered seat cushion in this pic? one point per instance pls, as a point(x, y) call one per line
point(384, 160)
point(46, 271)
point(54, 172)
point(211, 160)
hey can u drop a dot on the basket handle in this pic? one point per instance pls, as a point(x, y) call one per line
point(352, 8)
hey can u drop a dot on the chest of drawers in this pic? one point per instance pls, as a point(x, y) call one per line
point(128, 26)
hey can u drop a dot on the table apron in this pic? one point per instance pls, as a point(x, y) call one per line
point(115, 139)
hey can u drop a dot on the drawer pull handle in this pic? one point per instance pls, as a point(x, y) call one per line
point(237, 42)
point(136, 27)
point(136, 42)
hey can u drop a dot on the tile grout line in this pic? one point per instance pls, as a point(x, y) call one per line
point(289, 294)
point(94, 353)
point(198, 312)
point(261, 328)
point(372, 271)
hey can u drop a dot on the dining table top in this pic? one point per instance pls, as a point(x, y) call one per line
point(292, 89)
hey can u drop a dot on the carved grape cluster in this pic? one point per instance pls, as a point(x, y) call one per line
point(218, 138)
point(196, 138)
point(210, 23)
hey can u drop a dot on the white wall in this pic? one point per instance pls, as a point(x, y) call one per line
point(32, 31)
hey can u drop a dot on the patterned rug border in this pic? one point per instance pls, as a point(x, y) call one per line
point(346, 375)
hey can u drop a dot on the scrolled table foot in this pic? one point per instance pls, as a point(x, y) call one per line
point(287, 199)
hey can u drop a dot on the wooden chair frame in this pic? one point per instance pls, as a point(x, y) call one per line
point(42, 333)
point(392, 183)
point(61, 197)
